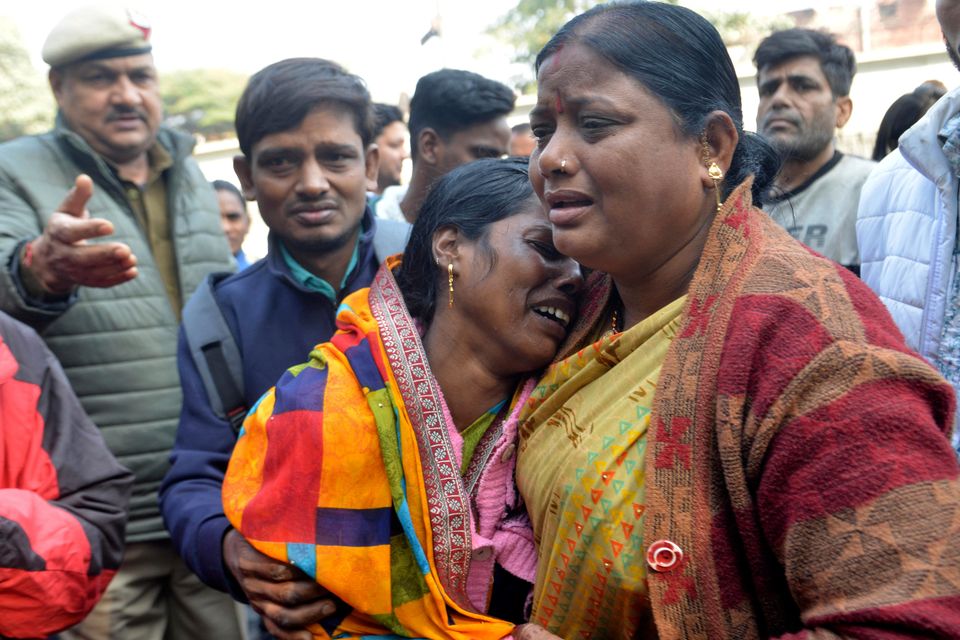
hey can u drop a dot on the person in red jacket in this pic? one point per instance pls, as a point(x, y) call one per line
point(63, 496)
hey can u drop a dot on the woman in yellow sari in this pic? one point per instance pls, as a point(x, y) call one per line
point(383, 467)
point(735, 443)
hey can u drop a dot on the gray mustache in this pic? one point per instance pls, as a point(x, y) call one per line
point(117, 114)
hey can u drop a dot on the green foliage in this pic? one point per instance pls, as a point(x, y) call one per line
point(528, 26)
point(202, 101)
point(26, 104)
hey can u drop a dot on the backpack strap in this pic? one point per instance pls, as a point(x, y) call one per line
point(215, 353)
point(390, 237)
point(214, 349)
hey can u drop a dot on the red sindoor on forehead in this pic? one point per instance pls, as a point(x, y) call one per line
point(552, 61)
point(548, 66)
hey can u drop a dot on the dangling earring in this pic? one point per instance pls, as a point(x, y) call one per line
point(450, 278)
point(716, 174)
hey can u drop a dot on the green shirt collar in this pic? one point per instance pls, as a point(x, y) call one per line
point(314, 283)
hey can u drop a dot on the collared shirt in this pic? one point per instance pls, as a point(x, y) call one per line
point(315, 283)
point(149, 203)
point(242, 261)
point(948, 357)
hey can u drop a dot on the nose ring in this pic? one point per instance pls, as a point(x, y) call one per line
point(563, 166)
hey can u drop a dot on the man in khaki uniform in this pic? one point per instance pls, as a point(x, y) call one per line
point(106, 227)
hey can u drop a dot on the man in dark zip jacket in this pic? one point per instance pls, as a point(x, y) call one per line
point(305, 131)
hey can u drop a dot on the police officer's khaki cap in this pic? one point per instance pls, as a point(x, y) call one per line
point(96, 33)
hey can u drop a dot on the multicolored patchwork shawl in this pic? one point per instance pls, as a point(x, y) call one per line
point(350, 469)
point(799, 482)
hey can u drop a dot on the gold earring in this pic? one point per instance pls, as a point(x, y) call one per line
point(450, 278)
point(704, 149)
point(716, 174)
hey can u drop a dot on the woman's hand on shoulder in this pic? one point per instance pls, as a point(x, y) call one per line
point(533, 632)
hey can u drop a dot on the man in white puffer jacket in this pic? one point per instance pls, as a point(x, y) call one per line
point(907, 226)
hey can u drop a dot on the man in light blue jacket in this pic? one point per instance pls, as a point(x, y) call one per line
point(907, 226)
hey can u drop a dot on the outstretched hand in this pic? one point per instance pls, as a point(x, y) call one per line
point(287, 598)
point(62, 259)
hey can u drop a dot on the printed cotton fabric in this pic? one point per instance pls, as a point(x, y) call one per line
point(583, 475)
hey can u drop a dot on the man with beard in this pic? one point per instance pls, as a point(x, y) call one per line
point(306, 133)
point(106, 227)
point(907, 225)
point(804, 77)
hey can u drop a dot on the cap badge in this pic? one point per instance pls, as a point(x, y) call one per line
point(139, 21)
